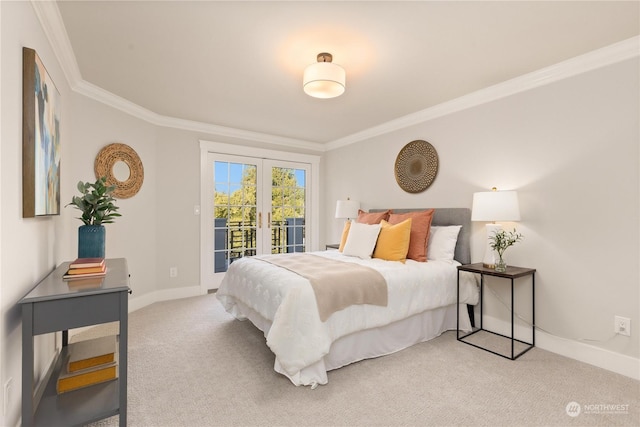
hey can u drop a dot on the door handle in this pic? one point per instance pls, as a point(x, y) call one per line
point(259, 219)
point(269, 220)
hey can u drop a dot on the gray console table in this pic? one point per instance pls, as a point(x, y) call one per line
point(52, 305)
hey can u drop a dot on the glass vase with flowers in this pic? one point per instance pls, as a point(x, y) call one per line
point(501, 240)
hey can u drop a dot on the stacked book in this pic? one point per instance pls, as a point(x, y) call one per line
point(82, 268)
point(87, 363)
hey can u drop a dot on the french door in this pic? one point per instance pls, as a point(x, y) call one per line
point(253, 206)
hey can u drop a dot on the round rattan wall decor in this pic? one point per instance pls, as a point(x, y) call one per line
point(416, 166)
point(109, 157)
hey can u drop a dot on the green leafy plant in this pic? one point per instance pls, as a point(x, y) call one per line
point(96, 202)
point(502, 239)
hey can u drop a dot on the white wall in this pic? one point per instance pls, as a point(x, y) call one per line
point(30, 247)
point(571, 150)
point(178, 228)
point(132, 236)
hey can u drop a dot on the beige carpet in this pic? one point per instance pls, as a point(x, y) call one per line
point(192, 364)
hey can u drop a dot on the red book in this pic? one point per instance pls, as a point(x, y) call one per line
point(87, 262)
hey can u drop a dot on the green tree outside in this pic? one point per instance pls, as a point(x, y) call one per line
point(237, 203)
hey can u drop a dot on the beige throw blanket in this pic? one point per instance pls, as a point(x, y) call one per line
point(336, 284)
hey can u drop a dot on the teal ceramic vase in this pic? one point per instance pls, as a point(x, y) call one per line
point(91, 241)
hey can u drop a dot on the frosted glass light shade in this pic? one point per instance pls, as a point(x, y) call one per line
point(495, 206)
point(324, 80)
point(347, 209)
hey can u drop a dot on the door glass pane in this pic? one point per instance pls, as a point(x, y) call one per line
point(287, 210)
point(235, 212)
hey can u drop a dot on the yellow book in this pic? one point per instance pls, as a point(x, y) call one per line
point(68, 381)
point(85, 283)
point(89, 353)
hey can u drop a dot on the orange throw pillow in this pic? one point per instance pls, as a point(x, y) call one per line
point(345, 233)
point(372, 217)
point(420, 227)
point(393, 241)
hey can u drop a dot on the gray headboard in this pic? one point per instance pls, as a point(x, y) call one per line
point(450, 216)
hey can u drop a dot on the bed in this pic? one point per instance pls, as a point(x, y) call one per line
point(283, 305)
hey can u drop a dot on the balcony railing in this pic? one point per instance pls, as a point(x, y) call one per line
point(236, 239)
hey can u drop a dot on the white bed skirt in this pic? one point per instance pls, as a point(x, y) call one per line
point(369, 343)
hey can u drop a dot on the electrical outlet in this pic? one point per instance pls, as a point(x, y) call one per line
point(173, 272)
point(7, 395)
point(622, 325)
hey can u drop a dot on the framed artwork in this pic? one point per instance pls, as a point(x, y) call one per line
point(40, 139)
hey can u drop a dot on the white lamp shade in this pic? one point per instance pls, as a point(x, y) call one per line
point(347, 209)
point(324, 80)
point(495, 206)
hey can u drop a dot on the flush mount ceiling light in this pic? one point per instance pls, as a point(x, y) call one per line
point(324, 79)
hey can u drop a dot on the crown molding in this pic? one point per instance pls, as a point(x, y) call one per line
point(96, 93)
point(53, 26)
point(51, 21)
point(599, 58)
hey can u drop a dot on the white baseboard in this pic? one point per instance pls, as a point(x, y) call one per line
point(136, 303)
point(587, 353)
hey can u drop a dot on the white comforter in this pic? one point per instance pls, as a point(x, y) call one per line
point(297, 336)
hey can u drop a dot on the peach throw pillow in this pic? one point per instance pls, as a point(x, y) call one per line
point(372, 217)
point(420, 227)
point(393, 241)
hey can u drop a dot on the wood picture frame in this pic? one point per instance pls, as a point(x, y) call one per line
point(41, 107)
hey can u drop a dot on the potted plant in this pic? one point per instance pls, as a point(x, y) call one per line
point(97, 206)
point(500, 241)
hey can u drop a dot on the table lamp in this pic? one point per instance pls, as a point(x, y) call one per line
point(347, 209)
point(492, 206)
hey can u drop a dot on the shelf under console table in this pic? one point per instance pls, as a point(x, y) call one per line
point(56, 305)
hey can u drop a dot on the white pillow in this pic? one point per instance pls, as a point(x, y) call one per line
point(361, 240)
point(442, 242)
